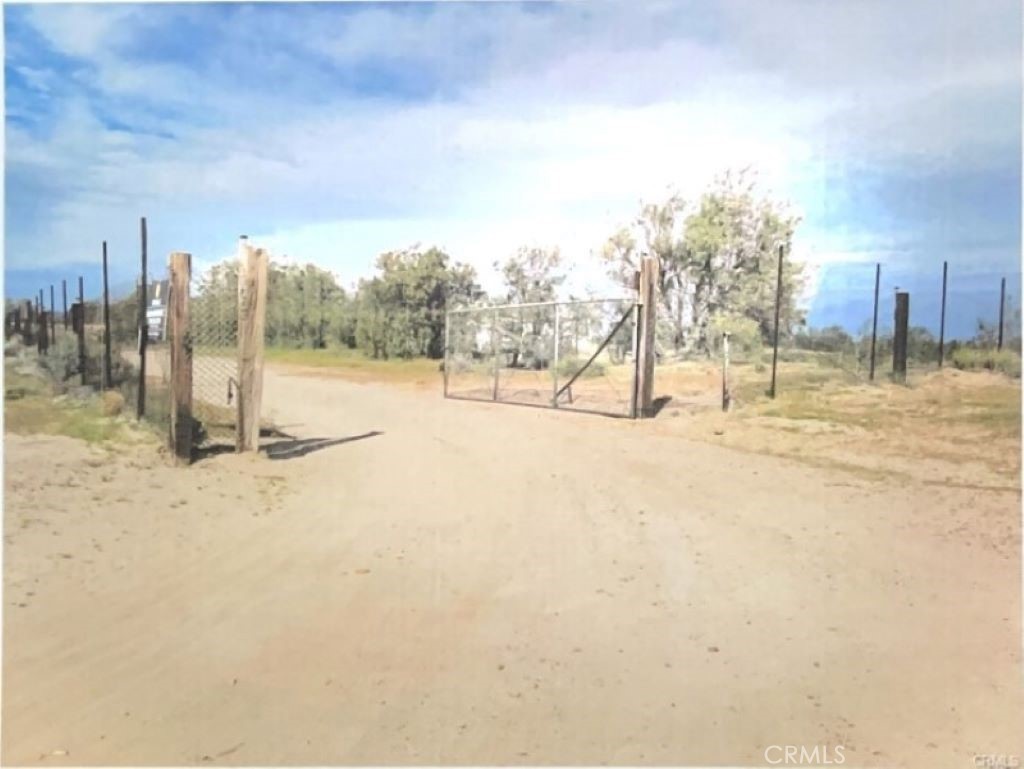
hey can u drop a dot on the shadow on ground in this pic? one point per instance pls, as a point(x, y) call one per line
point(289, 447)
point(300, 447)
point(659, 403)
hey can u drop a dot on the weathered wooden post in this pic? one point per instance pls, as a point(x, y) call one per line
point(634, 393)
point(899, 341)
point(726, 393)
point(107, 383)
point(180, 265)
point(43, 338)
point(648, 321)
point(26, 327)
point(140, 401)
point(64, 293)
point(252, 308)
point(942, 314)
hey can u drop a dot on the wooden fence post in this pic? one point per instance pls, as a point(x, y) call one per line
point(648, 321)
point(252, 309)
point(140, 401)
point(633, 392)
point(64, 292)
point(26, 327)
point(43, 337)
point(899, 340)
point(180, 265)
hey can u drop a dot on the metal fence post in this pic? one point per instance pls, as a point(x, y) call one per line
point(775, 343)
point(494, 351)
point(447, 346)
point(726, 394)
point(942, 314)
point(554, 364)
point(633, 391)
point(1002, 304)
point(107, 383)
point(874, 323)
point(81, 330)
point(140, 400)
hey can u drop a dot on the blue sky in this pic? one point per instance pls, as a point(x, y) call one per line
point(332, 132)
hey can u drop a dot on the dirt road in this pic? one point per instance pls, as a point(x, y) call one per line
point(419, 581)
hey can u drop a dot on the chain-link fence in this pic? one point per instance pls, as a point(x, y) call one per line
point(830, 341)
point(213, 311)
point(569, 355)
point(101, 350)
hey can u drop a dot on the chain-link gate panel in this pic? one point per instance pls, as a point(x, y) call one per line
point(569, 355)
point(213, 310)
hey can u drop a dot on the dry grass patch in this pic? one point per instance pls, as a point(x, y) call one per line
point(31, 408)
point(955, 427)
point(354, 366)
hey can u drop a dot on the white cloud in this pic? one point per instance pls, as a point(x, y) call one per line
point(84, 30)
point(566, 122)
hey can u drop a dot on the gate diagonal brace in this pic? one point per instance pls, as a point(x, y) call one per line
point(593, 357)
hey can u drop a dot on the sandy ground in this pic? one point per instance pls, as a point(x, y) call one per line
point(420, 581)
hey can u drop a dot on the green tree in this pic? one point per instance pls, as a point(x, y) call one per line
point(306, 307)
point(718, 259)
point(732, 243)
point(401, 311)
point(657, 231)
point(531, 275)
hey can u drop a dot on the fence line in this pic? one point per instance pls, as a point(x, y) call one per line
point(105, 344)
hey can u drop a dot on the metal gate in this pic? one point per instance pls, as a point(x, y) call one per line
point(576, 355)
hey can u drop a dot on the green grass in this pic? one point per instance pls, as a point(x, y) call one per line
point(30, 408)
point(1005, 361)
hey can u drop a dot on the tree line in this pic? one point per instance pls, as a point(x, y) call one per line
point(718, 270)
point(718, 262)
